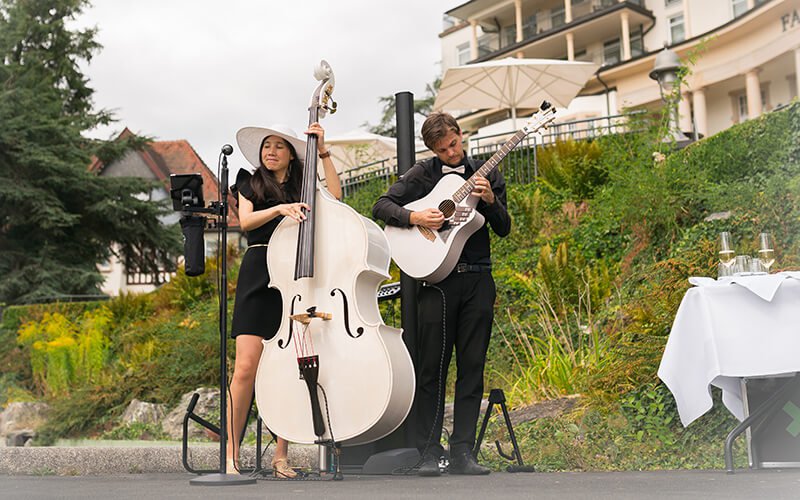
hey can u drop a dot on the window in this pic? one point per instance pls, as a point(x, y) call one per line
point(637, 43)
point(741, 105)
point(487, 44)
point(739, 7)
point(462, 54)
point(557, 17)
point(669, 3)
point(529, 26)
point(528, 30)
point(611, 52)
point(676, 31)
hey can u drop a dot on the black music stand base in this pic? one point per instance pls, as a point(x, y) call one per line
point(496, 396)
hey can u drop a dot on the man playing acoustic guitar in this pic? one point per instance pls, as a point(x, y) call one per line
point(458, 310)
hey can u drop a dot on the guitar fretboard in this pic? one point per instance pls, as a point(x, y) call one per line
point(490, 165)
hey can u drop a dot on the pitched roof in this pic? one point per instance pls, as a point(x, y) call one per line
point(177, 157)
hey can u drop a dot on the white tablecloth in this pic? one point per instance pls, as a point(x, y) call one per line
point(725, 331)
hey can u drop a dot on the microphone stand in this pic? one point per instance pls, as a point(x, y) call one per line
point(220, 209)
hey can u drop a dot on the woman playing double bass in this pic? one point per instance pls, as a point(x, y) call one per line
point(265, 196)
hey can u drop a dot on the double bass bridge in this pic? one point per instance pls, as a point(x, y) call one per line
point(311, 313)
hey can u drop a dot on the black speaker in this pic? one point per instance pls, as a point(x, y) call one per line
point(194, 252)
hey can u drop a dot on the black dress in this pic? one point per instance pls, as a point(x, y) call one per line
point(258, 308)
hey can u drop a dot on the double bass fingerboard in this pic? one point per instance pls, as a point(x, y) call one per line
point(304, 261)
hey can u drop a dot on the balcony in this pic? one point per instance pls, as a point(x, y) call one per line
point(545, 27)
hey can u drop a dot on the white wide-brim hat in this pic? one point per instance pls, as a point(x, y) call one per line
point(250, 139)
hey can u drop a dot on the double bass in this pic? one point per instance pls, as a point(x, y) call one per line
point(334, 372)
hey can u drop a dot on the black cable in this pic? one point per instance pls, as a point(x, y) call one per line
point(338, 474)
point(428, 443)
point(273, 439)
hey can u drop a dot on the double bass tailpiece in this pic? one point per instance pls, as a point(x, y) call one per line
point(309, 372)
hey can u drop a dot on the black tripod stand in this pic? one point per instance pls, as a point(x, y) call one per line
point(496, 396)
point(220, 210)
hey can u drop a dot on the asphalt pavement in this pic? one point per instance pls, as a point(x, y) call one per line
point(749, 484)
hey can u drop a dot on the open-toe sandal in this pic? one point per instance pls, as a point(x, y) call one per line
point(281, 469)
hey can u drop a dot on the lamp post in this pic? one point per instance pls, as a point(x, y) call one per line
point(665, 72)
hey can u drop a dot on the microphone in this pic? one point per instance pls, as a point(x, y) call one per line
point(227, 149)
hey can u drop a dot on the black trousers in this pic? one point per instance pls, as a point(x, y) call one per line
point(467, 300)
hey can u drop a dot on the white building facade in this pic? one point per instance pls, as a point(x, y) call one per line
point(748, 52)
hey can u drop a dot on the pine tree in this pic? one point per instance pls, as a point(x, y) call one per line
point(57, 220)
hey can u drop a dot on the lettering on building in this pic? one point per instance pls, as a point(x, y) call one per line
point(789, 21)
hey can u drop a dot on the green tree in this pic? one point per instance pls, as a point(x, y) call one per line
point(422, 107)
point(57, 220)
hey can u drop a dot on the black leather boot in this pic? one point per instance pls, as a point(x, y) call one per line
point(429, 467)
point(462, 462)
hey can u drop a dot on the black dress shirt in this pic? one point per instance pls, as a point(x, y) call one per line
point(421, 179)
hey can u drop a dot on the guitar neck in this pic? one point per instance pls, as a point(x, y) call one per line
point(489, 165)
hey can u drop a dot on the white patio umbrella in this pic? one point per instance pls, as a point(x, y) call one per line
point(512, 83)
point(358, 148)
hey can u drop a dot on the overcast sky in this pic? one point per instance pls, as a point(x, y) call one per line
point(201, 69)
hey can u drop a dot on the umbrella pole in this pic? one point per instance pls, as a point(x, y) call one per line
point(514, 117)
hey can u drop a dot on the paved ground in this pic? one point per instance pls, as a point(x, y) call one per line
point(771, 484)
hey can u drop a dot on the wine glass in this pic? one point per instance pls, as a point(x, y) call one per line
point(766, 250)
point(726, 253)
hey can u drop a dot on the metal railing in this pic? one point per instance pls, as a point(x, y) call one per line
point(520, 165)
point(356, 178)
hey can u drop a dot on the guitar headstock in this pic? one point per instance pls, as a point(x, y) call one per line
point(540, 119)
point(323, 95)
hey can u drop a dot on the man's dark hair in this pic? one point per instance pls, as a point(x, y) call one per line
point(436, 126)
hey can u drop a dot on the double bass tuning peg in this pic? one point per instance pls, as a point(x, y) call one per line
point(332, 107)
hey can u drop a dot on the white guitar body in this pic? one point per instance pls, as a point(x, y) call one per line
point(430, 255)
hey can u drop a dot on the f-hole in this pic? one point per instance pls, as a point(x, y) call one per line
point(281, 343)
point(359, 330)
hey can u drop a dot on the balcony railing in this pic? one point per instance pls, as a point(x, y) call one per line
point(520, 165)
point(548, 22)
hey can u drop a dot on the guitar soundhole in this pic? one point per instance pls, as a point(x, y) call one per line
point(448, 208)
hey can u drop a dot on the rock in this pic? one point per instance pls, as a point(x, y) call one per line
point(447, 421)
point(26, 416)
point(207, 408)
point(543, 409)
point(140, 412)
point(20, 438)
point(718, 216)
